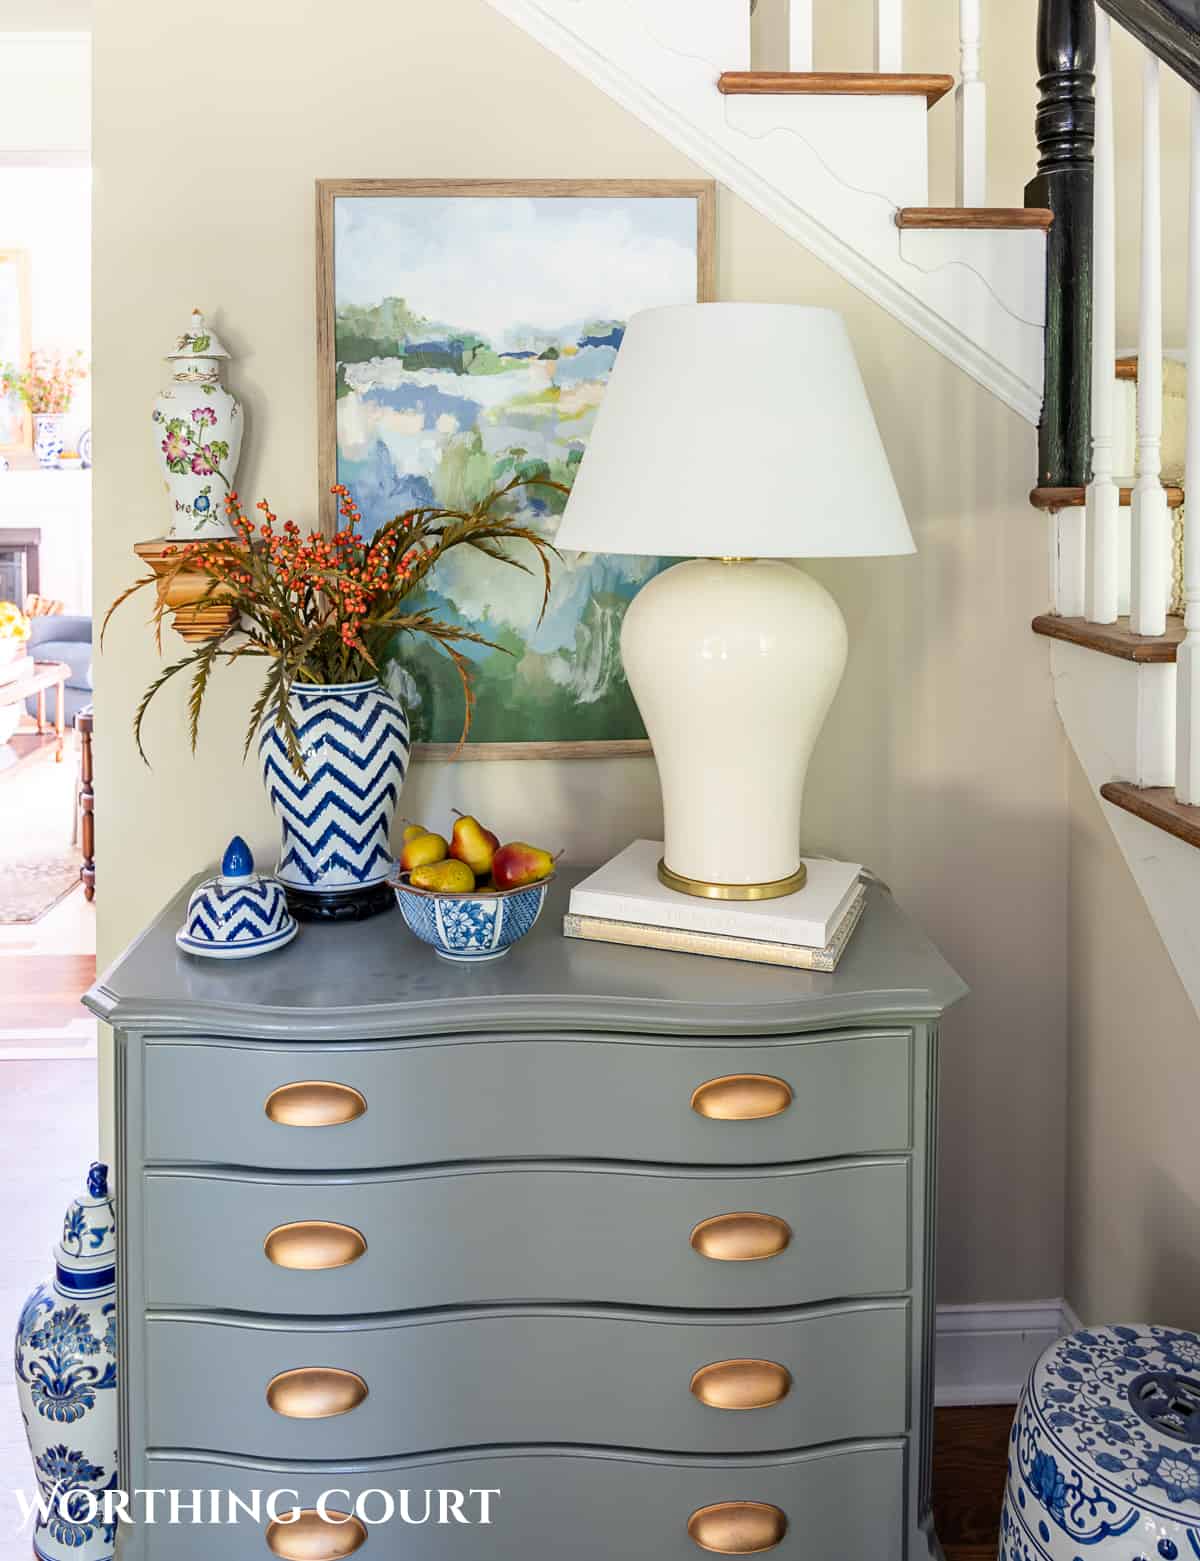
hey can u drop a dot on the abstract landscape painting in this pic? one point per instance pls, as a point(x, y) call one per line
point(469, 334)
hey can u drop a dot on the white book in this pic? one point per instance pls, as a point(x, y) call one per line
point(628, 889)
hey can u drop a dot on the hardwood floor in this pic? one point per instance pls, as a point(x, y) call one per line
point(41, 991)
point(970, 1452)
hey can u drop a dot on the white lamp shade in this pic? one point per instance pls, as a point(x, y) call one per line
point(735, 429)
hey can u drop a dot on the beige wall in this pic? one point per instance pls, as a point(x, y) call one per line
point(942, 763)
point(1133, 1194)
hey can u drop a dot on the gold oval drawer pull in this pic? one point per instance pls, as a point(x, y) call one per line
point(741, 1238)
point(314, 1244)
point(741, 1384)
point(314, 1103)
point(315, 1392)
point(741, 1097)
point(737, 1528)
point(314, 1538)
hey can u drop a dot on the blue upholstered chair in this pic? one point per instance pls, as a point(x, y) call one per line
point(64, 638)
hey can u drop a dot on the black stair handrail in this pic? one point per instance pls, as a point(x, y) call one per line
point(1168, 28)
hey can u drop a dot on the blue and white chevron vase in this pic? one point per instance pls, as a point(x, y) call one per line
point(355, 741)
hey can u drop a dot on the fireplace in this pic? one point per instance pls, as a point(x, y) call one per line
point(19, 576)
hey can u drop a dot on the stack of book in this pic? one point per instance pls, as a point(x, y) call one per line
point(624, 902)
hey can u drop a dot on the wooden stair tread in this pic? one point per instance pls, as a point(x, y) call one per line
point(974, 217)
point(1158, 805)
point(1064, 498)
point(1112, 639)
point(853, 82)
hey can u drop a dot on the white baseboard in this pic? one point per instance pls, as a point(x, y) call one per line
point(984, 1352)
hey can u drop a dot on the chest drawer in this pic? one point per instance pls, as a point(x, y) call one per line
point(594, 1379)
point(613, 1098)
point(834, 1504)
point(526, 1233)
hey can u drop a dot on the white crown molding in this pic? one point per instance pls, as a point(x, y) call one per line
point(986, 1351)
point(789, 172)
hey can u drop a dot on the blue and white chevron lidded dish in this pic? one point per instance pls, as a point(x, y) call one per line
point(237, 914)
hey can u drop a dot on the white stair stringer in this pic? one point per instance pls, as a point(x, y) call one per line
point(829, 170)
point(1119, 717)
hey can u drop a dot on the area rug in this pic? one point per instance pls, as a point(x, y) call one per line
point(38, 863)
point(29, 889)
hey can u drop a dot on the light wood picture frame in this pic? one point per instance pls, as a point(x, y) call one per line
point(16, 342)
point(456, 342)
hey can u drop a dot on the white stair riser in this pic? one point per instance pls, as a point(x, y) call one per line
point(1122, 712)
point(1011, 265)
point(874, 146)
point(1119, 718)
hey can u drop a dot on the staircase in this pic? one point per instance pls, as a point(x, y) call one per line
point(832, 159)
point(1023, 299)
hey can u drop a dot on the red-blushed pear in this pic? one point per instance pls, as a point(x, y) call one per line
point(445, 877)
point(518, 864)
point(422, 850)
point(472, 844)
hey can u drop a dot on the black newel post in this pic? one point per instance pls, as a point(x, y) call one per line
point(1066, 118)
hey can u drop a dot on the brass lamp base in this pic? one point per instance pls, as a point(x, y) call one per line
point(774, 890)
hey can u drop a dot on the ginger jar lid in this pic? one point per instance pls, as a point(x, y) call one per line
point(85, 1256)
point(238, 913)
point(198, 341)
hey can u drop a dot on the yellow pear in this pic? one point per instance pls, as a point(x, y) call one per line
point(473, 844)
point(421, 850)
point(412, 831)
point(447, 877)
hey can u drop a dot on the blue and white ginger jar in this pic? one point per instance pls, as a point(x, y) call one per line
point(237, 914)
point(1104, 1458)
point(336, 819)
point(66, 1371)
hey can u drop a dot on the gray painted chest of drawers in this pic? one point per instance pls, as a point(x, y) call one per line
point(643, 1242)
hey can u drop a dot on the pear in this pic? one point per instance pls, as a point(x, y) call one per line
point(446, 877)
point(421, 850)
point(518, 864)
point(411, 831)
point(473, 844)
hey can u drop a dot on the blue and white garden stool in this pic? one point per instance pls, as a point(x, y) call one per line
point(1104, 1457)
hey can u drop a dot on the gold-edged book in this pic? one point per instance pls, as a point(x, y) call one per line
point(599, 929)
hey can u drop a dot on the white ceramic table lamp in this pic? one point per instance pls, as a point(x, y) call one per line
point(736, 436)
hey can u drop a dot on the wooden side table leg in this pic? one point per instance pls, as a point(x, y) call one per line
point(41, 711)
point(60, 715)
point(83, 725)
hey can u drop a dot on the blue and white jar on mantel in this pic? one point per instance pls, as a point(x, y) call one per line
point(48, 437)
point(336, 818)
point(66, 1370)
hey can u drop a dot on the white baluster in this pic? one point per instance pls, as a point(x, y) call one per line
point(1150, 542)
point(1187, 659)
point(800, 35)
point(889, 35)
point(1100, 598)
point(970, 101)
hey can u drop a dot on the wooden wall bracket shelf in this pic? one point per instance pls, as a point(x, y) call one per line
point(194, 619)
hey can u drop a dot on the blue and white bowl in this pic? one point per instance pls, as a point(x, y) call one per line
point(470, 928)
point(238, 913)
